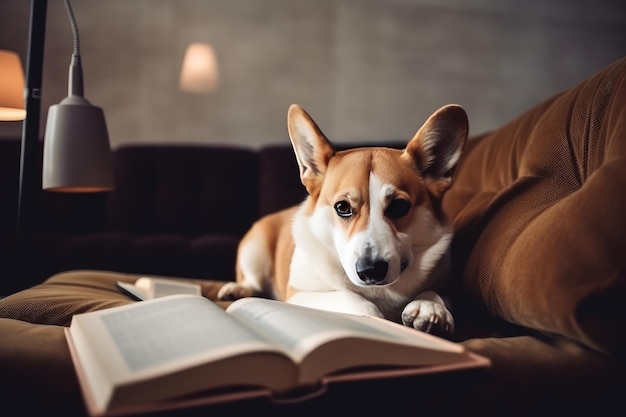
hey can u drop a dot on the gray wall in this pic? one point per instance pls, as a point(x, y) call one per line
point(364, 69)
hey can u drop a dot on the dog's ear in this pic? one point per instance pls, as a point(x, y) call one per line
point(312, 149)
point(436, 147)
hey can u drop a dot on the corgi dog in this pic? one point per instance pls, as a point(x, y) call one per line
point(371, 237)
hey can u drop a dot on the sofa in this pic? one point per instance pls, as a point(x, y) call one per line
point(538, 206)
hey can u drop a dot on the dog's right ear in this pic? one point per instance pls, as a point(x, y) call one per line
point(436, 147)
point(312, 148)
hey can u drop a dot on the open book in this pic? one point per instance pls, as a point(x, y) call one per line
point(147, 288)
point(170, 347)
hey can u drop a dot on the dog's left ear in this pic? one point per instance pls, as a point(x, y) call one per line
point(436, 147)
point(312, 148)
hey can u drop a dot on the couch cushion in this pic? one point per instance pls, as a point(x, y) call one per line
point(61, 296)
point(539, 207)
point(527, 371)
point(36, 372)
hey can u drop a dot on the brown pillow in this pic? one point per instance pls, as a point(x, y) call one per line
point(539, 206)
point(61, 296)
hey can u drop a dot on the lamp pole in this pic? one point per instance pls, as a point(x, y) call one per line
point(29, 159)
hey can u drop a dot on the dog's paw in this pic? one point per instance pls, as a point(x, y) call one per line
point(232, 291)
point(428, 316)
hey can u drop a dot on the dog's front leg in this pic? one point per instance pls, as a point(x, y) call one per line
point(428, 312)
point(338, 301)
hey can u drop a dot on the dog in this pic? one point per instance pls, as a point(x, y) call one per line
point(371, 237)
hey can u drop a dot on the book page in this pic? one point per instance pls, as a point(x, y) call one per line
point(147, 288)
point(146, 337)
point(153, 334)
point(300, 330)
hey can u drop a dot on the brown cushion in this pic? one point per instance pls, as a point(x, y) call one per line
point(57, 299)
point(540, 212)
point(534, 376)
point(37, 376)
point(36, 373)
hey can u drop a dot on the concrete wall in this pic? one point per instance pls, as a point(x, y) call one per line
point(364, 69)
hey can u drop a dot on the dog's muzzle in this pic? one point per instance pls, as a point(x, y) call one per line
point(372, 272)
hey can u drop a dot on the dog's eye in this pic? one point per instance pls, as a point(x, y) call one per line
point(343, 208)
point(398, 208)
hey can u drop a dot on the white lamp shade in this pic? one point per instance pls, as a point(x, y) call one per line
point(11, 87)
point(199, 73)
point(76, 155)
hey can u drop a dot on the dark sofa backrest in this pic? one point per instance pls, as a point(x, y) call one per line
point(279, 179)
point(183, 189)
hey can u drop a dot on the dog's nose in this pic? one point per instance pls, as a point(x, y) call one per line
point(371, 272)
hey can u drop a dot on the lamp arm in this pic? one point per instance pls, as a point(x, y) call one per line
point(75, 78)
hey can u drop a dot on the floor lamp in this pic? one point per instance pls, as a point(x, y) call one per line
point(77, 155)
